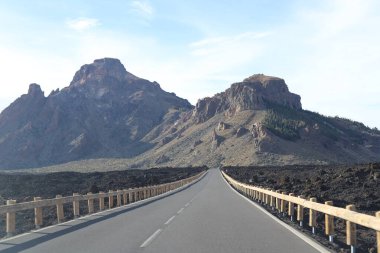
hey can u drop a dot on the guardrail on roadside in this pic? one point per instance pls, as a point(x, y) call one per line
point(123, 197)
point(285, 203)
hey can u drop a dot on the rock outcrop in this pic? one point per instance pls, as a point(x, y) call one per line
point(254, 93)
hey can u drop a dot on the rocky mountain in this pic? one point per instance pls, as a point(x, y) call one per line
point(108, 119)
point(258, 121)
point(104, 112)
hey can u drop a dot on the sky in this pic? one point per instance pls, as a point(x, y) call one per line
point(327, 51)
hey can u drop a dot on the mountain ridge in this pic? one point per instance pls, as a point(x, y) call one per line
point(108, 113)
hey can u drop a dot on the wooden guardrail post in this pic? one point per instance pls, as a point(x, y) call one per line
point(278, 202)
point(90, 203)
point(37, 214)
point(300, 212)
point(291, 208)
point(118, 198)
point(329, 224)
point(125, 201)
point(313, 217)
point(351, 231)
point(130, 195)
point(272, 201)
point(110, 199)
point(283, 205)
point(11, 220)
point(76, 205)
point(59, 206)
point(101, 201)
point(378, 234)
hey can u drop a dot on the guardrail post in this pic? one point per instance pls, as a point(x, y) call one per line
point(272, 201)
point(378, 234)
point(110, 199)
point(291, 208)
point(312, 217)
point(351, 231)
point(37, 214)
point(267, 198)
point(118, 198)
point(125, 197)
point(130, 194)
point(59, 208)
point(283, 205)
point(139, 194)
point(300, 212)
point(101, 201)
point(76, 205)
point(90, 203)
point(277, 202)
point(11, 220)
point(329, 224)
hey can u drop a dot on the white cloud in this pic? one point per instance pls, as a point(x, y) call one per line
point(81, 24)
point(143, 8)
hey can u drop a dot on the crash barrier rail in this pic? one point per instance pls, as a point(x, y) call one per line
point(286, 204)
point(123, 197)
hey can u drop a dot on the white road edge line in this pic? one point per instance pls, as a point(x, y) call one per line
point(170, 220)
point(181, 210)
point(106, 210)
point(306, 239)
point(151, 238)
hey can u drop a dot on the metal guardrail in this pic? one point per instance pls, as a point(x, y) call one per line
point(285, 203)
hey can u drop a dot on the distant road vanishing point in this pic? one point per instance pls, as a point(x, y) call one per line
point(208, 216)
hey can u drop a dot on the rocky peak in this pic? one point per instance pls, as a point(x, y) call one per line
point(101, 69)
point(35, 90)
point(253, 93)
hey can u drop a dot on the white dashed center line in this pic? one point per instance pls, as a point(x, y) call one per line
point(170, 220)
point(151, 238)
point(155, 234)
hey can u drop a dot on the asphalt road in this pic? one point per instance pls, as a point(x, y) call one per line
point(206, 217)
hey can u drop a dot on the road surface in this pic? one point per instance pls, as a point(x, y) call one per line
point(206, 217)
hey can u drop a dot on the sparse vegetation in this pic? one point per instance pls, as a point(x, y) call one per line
point(286, 123)
point(283, 126)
